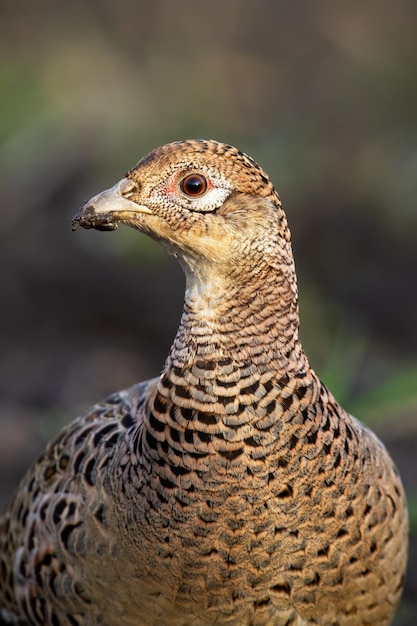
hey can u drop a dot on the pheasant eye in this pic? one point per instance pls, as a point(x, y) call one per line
point(194, 185)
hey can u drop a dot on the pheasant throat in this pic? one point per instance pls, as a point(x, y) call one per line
point(236, 326)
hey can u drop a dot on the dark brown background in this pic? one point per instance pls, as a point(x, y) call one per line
point(322, 94)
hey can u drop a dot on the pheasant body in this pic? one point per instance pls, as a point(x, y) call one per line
point(233, 489)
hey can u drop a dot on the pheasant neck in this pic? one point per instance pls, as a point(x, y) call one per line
point(227, 319)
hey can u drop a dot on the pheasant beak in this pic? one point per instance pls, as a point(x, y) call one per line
point(105, 210)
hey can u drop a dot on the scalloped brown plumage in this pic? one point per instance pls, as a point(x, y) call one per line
point(233, 489)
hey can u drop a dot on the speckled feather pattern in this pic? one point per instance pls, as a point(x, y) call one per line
point(233, 489)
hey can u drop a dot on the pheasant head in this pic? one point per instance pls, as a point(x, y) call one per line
point(206, 202)
point(215, 210)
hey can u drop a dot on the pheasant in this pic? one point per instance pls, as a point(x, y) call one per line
point(233, 489)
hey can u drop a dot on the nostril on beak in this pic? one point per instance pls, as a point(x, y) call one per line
point(128, 187)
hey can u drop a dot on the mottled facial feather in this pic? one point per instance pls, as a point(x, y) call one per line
point(239, 169)
point(241, 203)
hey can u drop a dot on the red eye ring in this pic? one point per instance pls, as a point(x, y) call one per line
point(194, 185)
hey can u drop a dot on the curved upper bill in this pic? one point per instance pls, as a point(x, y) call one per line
point(109, 207)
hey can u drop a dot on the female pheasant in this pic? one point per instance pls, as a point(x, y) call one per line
point(233, 489)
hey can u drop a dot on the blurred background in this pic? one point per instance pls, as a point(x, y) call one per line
point(322, 94)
